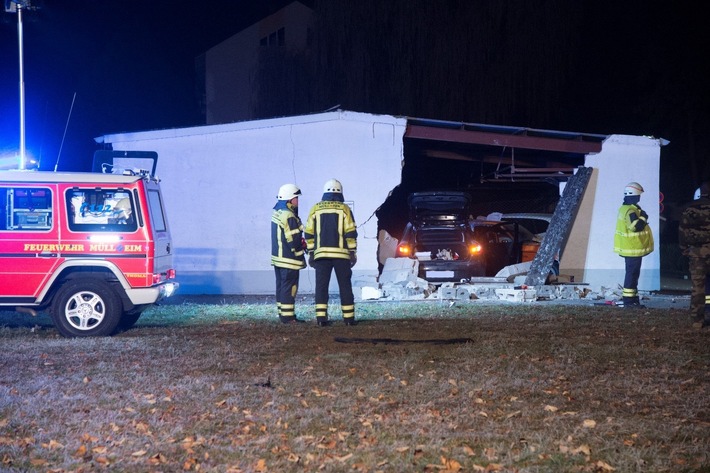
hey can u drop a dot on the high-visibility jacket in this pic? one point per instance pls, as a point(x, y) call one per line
point(286, 237)
point(633, 236)
point(330, 229)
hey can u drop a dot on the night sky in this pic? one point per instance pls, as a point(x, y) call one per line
point(131, 65)
point(635, 67)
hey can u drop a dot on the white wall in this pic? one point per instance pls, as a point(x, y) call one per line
point(589, 251)
point(220, 183)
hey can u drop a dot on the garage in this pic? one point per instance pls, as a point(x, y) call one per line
point(504, 169)
point(220, 181)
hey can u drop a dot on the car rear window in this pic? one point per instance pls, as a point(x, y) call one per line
point(101, 210)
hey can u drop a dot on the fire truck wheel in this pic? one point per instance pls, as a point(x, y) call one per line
point(86, 308)
point(130, 317)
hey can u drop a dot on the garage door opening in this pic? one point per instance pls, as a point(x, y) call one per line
point(504, 169)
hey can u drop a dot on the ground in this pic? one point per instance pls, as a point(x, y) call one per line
point(416, 386)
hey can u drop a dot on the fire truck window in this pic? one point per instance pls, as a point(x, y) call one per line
point(156, 211)
point(25, 209)
point(101, 210)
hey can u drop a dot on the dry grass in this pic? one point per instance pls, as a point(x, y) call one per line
point(224, 387)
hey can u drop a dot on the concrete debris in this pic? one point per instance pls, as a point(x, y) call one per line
point(399, 281)
point(420, 289)
point(399, 270)
point(514, 270)
point(517, 295)
point(370, 293)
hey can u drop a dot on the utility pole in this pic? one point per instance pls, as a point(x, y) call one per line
point(16, 6)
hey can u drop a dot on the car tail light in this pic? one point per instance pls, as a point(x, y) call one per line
point(474, 249)
point(404, 250)
point(171, 274)
point(157, 278)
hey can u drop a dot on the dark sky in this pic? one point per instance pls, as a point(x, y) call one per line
point(639, 67)
point(130, 63)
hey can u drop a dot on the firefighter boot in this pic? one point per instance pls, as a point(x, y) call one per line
point(631, 303)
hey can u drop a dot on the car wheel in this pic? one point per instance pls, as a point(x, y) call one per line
point(86, 308)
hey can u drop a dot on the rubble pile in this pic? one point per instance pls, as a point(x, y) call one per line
point(399, 281)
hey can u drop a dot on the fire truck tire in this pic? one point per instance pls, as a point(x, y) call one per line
point(130, 317)
point(86, 308)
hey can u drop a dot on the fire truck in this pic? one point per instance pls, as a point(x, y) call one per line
point(93, 249)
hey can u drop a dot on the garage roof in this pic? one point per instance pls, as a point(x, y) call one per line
point(509, 136)
point(503, 151)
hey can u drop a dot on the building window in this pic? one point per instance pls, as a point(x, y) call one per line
point(277, 38)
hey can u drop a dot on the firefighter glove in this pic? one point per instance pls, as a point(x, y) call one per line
point(353, 258)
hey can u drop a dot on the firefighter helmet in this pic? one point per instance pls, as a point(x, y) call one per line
point(633, 188)
point(333, 185)
point(288, 192)
point(696, 196)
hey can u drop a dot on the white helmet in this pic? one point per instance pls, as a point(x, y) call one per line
point(333, 185)
point(633, 188)
point(696, 196)
point(288, 192)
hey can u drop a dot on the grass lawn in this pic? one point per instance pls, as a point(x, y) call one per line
point(416, 386)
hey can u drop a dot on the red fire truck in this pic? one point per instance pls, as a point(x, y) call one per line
point(93, 249)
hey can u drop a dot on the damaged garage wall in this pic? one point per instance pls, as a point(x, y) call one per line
point(219, 184)
point(220, 181)
point(588, 254)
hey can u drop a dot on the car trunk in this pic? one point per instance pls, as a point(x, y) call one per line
point(433, 207)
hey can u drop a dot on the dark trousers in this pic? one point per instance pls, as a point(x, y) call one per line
point(631, 278)
point(324, 267)
point(286, 289)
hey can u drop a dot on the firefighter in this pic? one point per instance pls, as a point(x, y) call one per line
point(694, 240)
point(331, 239)
point(287, 251)
point(633, 240)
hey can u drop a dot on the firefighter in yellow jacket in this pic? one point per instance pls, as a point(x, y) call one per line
point(633, 240)
point(331, 238)
point(287, 250)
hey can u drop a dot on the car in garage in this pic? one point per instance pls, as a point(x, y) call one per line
point(450, 245)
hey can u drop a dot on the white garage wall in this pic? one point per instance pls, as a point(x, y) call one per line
point(220, 183)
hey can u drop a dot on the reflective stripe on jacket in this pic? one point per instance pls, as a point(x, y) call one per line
point(330, 230)
point(628, 241)
point(286, 239)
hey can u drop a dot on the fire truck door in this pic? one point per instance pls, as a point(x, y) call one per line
point(29, 245)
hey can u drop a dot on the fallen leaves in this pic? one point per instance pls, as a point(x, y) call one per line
point(447, 465)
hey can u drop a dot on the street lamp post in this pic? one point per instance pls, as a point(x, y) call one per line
point(17, 6)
